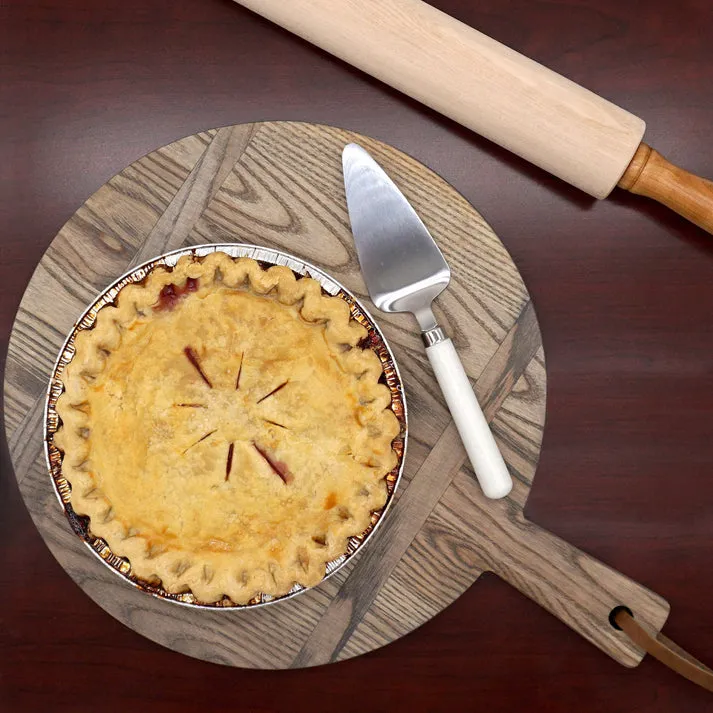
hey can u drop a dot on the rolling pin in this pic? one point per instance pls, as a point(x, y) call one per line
point(515, 102)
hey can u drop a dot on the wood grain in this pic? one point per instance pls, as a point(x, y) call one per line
point(280, 184)
point(475, 80)
point(622, 290)
point(484, 85)
point(652, 176)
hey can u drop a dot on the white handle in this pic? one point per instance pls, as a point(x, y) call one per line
point(483, 451)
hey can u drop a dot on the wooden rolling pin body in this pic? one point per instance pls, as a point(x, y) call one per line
point(469, 77)
point(493, 90)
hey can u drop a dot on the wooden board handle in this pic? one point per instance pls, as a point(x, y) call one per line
point(577, 588)
point(651, 175)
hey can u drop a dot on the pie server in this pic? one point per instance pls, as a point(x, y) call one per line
point(405, 271)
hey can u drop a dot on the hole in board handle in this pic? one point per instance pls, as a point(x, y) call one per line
point(613, 614)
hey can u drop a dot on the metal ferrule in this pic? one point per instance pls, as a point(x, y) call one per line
point(434, 336)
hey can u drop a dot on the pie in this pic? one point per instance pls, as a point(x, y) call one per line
point(225, 429)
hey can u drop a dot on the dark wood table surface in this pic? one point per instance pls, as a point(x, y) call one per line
point(623, 292)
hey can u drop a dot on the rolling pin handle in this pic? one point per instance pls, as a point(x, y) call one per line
point(651, 175)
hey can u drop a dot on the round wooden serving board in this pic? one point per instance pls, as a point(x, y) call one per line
point(279, 184)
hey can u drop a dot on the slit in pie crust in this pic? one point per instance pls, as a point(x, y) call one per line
point(224, 429)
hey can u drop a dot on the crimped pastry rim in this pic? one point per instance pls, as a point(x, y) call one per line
point(265, 256)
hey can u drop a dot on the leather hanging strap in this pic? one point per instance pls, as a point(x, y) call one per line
point(663, 649)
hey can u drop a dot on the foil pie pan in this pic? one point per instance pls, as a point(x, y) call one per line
point(266, 257)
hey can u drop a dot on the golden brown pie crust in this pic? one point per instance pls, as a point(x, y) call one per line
point(224, 429)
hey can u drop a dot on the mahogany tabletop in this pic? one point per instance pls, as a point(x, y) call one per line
point(623, 291)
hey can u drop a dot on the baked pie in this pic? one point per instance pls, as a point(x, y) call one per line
point(224, 428)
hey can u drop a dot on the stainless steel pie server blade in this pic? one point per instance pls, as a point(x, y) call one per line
point(403, 268)
point(405, 271)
